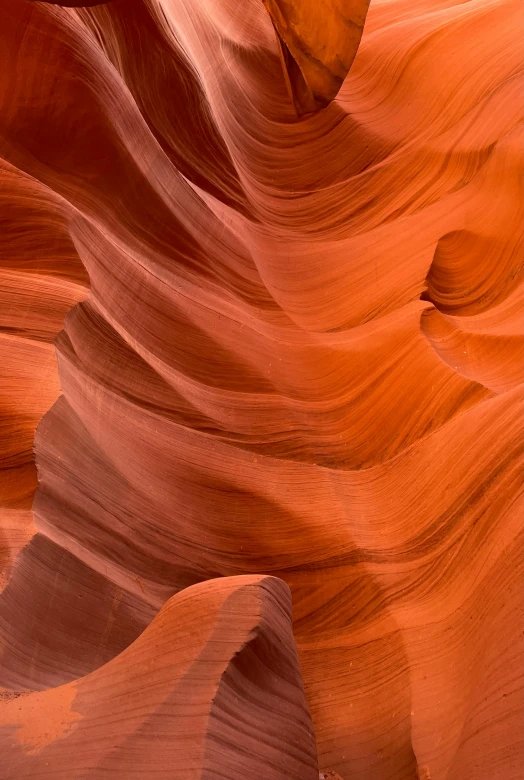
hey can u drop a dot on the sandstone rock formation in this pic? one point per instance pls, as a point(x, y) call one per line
point(293, 347)
point(318, 41)
point(211, 689)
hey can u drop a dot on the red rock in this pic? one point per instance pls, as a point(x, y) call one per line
point(211, 688)
point(300, 356)
point(318, 41)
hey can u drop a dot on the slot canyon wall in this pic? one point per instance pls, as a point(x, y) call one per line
point(262, 363)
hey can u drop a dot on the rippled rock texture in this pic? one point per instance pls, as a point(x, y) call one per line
point(292, 349)
point(211, 689)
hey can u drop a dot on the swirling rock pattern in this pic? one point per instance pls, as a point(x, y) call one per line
point(41, 277)
point(318, 41)
point(211, 688)
point(301, 355)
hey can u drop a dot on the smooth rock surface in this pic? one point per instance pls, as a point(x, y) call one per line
point(300, 355)
point(211, 689)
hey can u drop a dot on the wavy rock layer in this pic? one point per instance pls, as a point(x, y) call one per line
point(318, 41)
point(211, 689)
point(301, 355)
point(41, 277)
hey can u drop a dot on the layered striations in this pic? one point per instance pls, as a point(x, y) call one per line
point(301, 356)
point(41, 277)
point(210, 690)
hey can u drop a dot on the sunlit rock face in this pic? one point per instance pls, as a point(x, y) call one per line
point(292, 350)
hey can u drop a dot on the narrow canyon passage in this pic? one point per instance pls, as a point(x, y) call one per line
point(285, 346)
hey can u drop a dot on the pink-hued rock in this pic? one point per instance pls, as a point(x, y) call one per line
point(212, 688)
point(291, 347)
